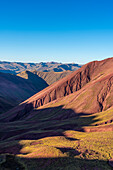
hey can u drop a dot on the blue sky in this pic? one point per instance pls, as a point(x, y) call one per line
point(56, 30)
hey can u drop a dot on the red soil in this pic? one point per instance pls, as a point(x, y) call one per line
point(97, 75)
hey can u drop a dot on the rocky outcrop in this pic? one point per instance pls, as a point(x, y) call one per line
point(105, 93)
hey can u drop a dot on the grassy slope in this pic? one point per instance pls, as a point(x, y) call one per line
point(65, 149)
point(97, 146)
point(74, 150)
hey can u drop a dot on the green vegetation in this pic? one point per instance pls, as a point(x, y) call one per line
point(75, 150)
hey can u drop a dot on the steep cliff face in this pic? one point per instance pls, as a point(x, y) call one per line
point(104, 97)
point(64, 87)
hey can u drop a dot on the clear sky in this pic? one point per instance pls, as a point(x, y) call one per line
point(56, 30)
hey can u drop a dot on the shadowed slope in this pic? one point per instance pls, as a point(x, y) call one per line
point(51, 77)
point(73, 163)
point(37, 81)
point(14, 89)
point(48, 121)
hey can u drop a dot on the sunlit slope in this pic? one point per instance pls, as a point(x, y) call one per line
point(75, 150)
point(91, 86)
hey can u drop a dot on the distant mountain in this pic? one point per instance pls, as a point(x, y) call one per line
point(49, 77)
point(14, 89)
point(17, 67)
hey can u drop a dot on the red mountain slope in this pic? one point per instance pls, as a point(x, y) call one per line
point(95, 75)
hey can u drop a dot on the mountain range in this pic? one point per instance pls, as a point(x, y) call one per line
point(17, 67)
point(67, 125)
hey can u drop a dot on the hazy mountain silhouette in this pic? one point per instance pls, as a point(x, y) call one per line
point(17, 67)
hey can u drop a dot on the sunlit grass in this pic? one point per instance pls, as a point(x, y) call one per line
point(88, 146)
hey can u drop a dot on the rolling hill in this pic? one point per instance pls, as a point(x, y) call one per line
point(49, 77)
point(68, 125)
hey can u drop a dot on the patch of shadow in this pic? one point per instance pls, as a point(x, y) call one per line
point(58, 121)
point(71, 152)
point(63, 163)
point(15, 149)
point(111, 162)
point(71, 139)
point(11, 163)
